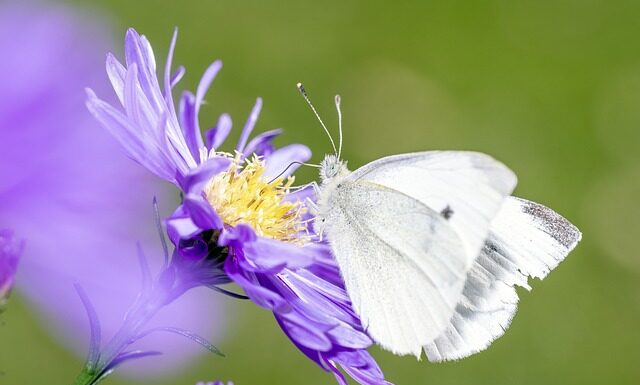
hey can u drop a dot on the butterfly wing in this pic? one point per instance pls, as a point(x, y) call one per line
point(526, 240)
point(404, 260)
point(469, 186)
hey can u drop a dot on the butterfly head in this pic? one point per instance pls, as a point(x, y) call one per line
point(332, 167)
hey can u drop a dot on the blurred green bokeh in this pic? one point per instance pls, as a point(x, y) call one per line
point(551, 88)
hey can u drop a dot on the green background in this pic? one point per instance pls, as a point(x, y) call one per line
point(551, 88)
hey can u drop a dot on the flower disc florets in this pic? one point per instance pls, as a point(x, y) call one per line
point(243, 195)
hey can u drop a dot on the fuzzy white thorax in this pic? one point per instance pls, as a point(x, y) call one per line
point(333, 171)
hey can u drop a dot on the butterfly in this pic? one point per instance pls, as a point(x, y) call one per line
point(431, 245)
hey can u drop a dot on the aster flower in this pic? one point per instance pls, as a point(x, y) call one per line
point(239, 208)
point(10, 251)
point(69, 193)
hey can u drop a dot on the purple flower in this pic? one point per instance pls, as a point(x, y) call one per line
point(66, 189)
point(238, 208)
point(10, 251)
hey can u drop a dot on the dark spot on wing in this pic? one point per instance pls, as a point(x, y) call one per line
point(447, 212)
point(491, 247)
point(552, 223)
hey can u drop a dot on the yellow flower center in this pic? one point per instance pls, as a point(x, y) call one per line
point(242, 195)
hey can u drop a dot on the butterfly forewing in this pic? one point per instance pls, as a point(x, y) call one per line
point(405, 230)
point(468, 188)
point(403, 264)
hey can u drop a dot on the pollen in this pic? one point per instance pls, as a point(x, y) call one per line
point(243, 195)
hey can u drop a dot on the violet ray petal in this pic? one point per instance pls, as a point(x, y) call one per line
point(261, 296)
point(201, 212)
point(205, 82)
point(336, 372)
point(138, 55)
point(237, 236)
point(345, 335)
point(177, 76)
point(249, 125)
point(181, 226)
point(270, 254)
point(196, 178)
point(261, 144)
point(282, 158)
point(116, 73)
point(304, 331)
point(216, 135)
point(188, 122)
point(354, 358)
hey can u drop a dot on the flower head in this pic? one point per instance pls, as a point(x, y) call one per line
point(10, 251)
point(238, 209)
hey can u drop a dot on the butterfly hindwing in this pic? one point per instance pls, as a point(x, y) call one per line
point(526, 239)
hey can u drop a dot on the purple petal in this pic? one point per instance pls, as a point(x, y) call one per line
point(189, 124)
point(205, 82)
point(201, 212)
point(281, 161)
point(261, 145)
point(336, 372)
point(136, 53)
point(217, 134)
point(237, 236)
point(348, 337)
point(249, 125)
point(354, 358)
point(116, 73)
point(168, 99)
point(267, 254)
point(190, 108)
point(177, 76)
point(260, 295)
point(304, 331)
point(195, 179)
point(180, 226)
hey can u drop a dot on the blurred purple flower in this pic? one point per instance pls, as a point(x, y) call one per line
point(238, 208)
point(10, 251)
point(68, 191)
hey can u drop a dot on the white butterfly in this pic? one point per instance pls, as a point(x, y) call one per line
point(431, 244)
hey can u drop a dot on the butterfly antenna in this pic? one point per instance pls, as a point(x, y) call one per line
point(339, 125)
point(304, 95)
point(289, 166)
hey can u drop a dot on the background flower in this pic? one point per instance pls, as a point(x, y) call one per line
point(67, 189)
